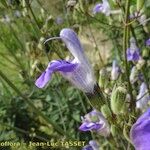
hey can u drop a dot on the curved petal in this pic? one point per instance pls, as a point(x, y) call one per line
point(140, 132)
point(106, 8)
point(70, 38)
point(97, 8)
point(133, 55)
point(148, 42)
point(53, 66)
point(87, 126)
point(94, 145)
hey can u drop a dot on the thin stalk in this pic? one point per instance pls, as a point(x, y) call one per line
point(60, 109)
point(102, 23)
point(96, 99)
point(16, 37)
point(9, 60)
point(23, 131)
point(55, 126)
point(82, 103)
point(32, 13)
point(40, 4)
point(125, 46)
point(11, 52)
point(100, 56)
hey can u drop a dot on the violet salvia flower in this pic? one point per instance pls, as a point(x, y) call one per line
point(143, 97)
point(115, 70)
point(95, 121)
point(78, 71)
point(93, 145)
point(133, 53)
point(148, 42)
point(102, 7)
point(140, 132)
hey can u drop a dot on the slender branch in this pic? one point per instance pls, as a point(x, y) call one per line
point(125, 46)
point(36, 21)
point(23, 131)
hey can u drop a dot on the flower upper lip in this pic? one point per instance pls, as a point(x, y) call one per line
point(78, 71)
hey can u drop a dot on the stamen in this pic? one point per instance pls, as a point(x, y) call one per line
point(53, 38)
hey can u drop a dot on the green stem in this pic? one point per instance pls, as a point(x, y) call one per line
point(82, 103)
point(4, 56)
point(29, 6)
point(22, 131)
point(125, 46)
point(96, 99)
point(100, 56)
point(16, 37)
point(12, 53)
point(55, 126)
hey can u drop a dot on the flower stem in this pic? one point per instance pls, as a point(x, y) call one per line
point(96, 99)
point(125, 46)
point(23, 131)
point(36, 21)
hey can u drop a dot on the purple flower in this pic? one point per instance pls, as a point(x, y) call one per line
point(148, 42)
point(115, 70)
point(133, 53)
point(95, 121)
point(102, 7)
point(143, 97)
point(93, 145)
point(140, 132)
point(78, 71)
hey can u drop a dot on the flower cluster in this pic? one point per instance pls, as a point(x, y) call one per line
point(118, 95)
point(78, 71)
point(133, 52)
point(102, 7)
point(95, 121)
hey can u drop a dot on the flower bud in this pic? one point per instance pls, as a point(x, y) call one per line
point(40, 44)
point(139, 4)
point(145, 53)
point(114, 130)
point(106, 111)
point(118, 97)
point(133, 75)
point(140, 64)
point(115, 72)
point(103, 78)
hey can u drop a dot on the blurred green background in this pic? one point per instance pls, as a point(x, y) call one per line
point(24, 25)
